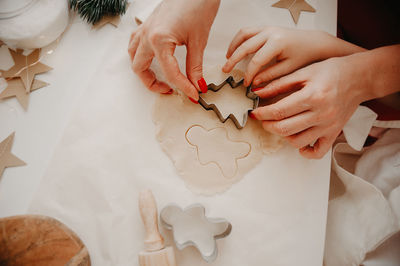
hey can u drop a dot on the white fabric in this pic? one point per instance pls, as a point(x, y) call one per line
point(365, 209)
point(359, 125)
point(386, 254)
point(360, 218)
point(387, 124)
point(380, 164)
point(108, 153)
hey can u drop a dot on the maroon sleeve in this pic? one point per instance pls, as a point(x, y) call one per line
point(369, 23)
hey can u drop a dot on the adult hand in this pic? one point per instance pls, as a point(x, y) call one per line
point(291, 48)
point(325, 96)
point(173, 22)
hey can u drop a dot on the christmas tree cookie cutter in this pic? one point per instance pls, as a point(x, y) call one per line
point(191, 227)
point(249, 94)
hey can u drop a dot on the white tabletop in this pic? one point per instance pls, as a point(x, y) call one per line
point(39, 130)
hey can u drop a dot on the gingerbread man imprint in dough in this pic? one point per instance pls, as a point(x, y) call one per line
point(215, 146)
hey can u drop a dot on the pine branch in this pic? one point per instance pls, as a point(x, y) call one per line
point(93, 10)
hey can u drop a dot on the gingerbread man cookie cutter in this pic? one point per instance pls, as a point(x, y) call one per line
point(249, 94)
point(191, 227)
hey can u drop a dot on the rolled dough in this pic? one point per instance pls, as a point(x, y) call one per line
point(215, 146)
point(174, 115)
point(230, 101)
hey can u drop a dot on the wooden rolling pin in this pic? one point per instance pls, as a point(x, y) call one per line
point(156, 254)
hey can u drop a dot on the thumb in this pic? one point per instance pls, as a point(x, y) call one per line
point(194, 65)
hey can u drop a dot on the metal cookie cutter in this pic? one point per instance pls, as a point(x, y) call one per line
point(191, 227)
point(249, 94)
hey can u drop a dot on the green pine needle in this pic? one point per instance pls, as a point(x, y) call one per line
point(93, 10)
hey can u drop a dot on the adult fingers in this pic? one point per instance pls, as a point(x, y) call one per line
point(284, 108)
point(133, 34)
point(284, 84)
point(194, 65)
point(131, 38)
point(305, 138)
point(152, 83)
point(273, 72)
point(291, 125)
point(246, 48)
point(133, 45)
point(319, 149)
point(141, 66)
point(170, 67)
point(240, 37)
point(262, 57)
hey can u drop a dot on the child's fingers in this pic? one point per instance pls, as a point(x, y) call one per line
point(273, 72)
point(243, 35)
point(262, 57)
point(249, 46)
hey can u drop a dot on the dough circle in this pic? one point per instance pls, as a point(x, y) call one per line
point(174, 115)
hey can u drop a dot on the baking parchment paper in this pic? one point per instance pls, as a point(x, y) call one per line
point(108, 153)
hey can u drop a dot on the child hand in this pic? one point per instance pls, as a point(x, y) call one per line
point(291, 48)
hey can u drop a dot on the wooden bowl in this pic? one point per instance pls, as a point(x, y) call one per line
point(39, 240)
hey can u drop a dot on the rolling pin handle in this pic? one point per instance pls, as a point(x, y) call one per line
point(148, 211)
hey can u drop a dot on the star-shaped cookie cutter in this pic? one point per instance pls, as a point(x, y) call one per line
point(215, 88)
point(191, 227)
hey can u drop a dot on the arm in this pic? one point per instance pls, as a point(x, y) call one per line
point(291, 48)
point(381, 71)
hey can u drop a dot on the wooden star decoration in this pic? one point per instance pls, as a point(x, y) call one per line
point(113, 20)
point(15, 88)
point(295, 7)
point(25, 67)
point(7, 159)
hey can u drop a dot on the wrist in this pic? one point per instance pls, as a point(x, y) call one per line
point(357, 77)
point(331, 46)
point(381, 67)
